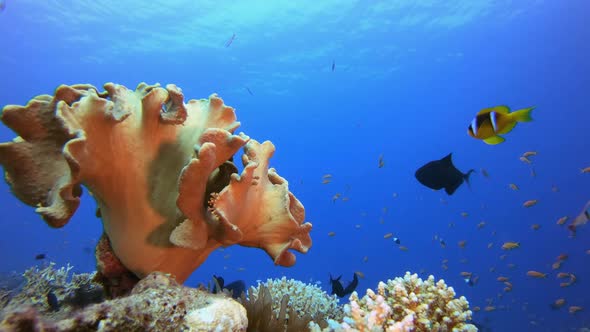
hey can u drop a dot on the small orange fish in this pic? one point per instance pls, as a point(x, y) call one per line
point(556, 265)
point(535, 227)
point(585, 170)
point(481, 225)
point(572, 278)
point(326, 176)
point(564, 284)
point(561, 275)
point(529, 203)
point(513, 186)
point(536, 274)
point(562, 257)
point(403, 248)
point(573, 309)
point(326, 181)
point(331, 233)
point(508, 284)
point(529, 154)
point(489, 308)
point(507, 289)
point(558, 303)
point(476, 309)
point(360, 274)
point(510, 245)
point(466, 274)
point(462, 244)
point(335, 197)
point(502, 279)
point(388, 235)
point(525, 160)
point(562, 220)
point(464, 214)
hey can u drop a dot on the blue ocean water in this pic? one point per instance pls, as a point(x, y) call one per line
point(407, 79)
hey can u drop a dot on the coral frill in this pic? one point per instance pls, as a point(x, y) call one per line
point(161, 171)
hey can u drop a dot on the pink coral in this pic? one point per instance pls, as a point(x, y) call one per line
point(161, 172)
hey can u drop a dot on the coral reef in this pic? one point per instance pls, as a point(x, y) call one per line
point(286, 305)
point(160, 170)
point(405, 304)
point(156, 303)
point(72, 290)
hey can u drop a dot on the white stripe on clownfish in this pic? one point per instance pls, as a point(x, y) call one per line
point(493, 119)
point(474, 126)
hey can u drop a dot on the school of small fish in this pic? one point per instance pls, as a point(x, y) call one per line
point(486, 127)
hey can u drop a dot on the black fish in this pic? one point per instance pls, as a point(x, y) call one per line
point(249, 91)
point(236, 288)
point(442, 173)
point(40, 257)
point(333, 65)
point(341, 291)
point(52, 301)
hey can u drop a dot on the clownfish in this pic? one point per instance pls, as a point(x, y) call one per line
point(491, 122)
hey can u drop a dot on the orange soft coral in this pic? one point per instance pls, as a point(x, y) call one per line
point(161, 172)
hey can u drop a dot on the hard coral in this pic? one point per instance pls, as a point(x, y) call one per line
point(406, 304)
point(161, 172)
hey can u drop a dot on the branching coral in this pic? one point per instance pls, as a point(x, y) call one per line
point(161, 172)
point(406, 304)
point(67, 288)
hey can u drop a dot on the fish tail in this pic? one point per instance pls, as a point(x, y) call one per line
point(466, 177)
point(523, 115)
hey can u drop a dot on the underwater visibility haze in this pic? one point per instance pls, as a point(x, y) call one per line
point(362, 101)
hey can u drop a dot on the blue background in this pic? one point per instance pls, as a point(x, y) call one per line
point(409, 77)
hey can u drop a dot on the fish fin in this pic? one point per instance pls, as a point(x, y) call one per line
point(502, 109)
point(523, 115)
point(494, 140)
point(466, 177)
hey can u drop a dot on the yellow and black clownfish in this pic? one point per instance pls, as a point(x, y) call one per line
point(491, 122)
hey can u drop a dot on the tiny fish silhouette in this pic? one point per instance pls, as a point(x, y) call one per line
point(231, 40)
